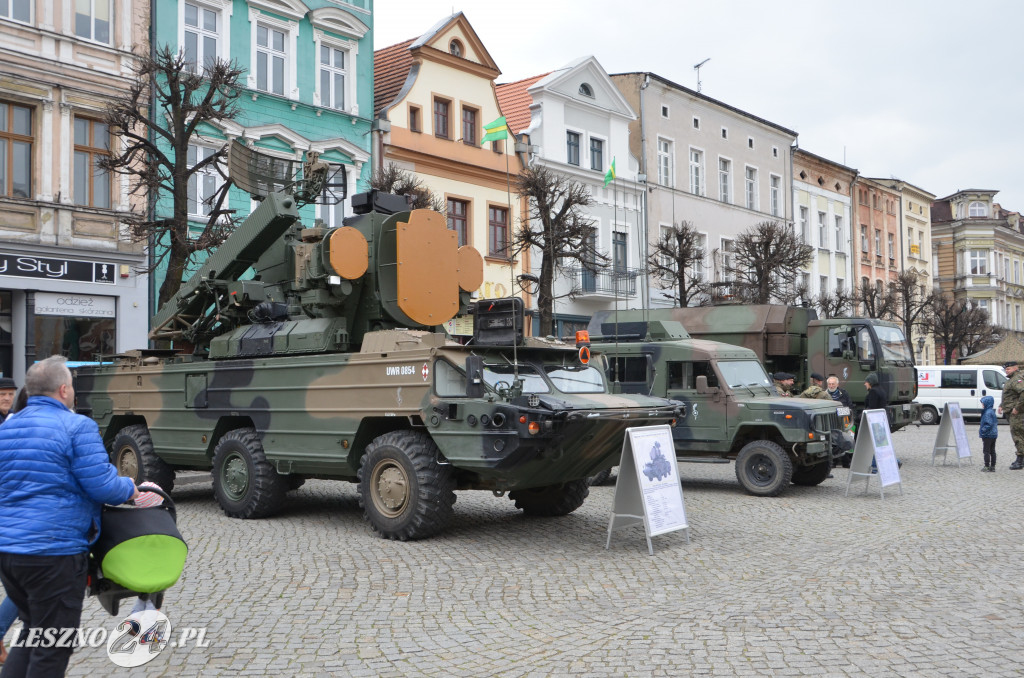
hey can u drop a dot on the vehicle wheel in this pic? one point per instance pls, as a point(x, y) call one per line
point(763, 468)
point(929, 415)
point(600, 478)
point(403, 490)
point(245, 484)
point(133, 455)
point(551, 500)
point(812, 475)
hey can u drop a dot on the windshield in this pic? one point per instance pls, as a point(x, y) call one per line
point(575, 379)
point(501, 376)
point(894, 344)
point(740, 373)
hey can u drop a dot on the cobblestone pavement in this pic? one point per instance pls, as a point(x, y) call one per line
point(810, 583)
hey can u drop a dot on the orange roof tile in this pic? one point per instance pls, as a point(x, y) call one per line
point(514, 101)
point(390, 68)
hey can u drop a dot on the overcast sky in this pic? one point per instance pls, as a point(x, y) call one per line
point(929, 92)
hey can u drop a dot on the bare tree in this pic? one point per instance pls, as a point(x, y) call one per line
point(393, 179)
point(559, 230)
point(836, 304)
point(768, 257)
point(960, 327)
point(876, 301)
point(675, 263)
point(156, 132)
point(911, 302)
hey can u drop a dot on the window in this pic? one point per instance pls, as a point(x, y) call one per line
point(725, 133)
point(840, 236)
point(203, 184)
point(665, 177)
point(696, 171)
point(331, 208)
point(441, 119)
point(270, 59)
point(805, 229)
point(15, 150)
point(728, 250)
point(750, 142)
point(92, 142)
point(979, 262)
point(664, 111)
point(696, 123)
point(700, 245)
point(864, 239)
point(776, 195)
point(19, 10)
point(455, 48)
point(586, 90)
point(469, 126)
point(619, 251)
point(1016, 272)
point(666, 260)
point(414, 119)
point(840, 284)
point(572, 148)
point(93, 20)
point(202, 33)
point(892, 247)
point(775, 152)
point(1016, 316)
point(822, 230)
point(333, 70)
point(1006, 269)
point(993, 379)
point(724, 179)
point(458, 219)
point(977, 209)
point(920, 244)
point(823, 285)
point(751, 188)
point(878, 243)
point(597, 154)
point(959, 379)
point(497, 222)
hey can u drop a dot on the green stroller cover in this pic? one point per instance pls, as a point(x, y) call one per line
point(141, 548)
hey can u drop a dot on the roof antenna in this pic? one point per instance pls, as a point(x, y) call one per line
point(697, 68)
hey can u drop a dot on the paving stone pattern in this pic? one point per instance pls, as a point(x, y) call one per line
point(811, 583)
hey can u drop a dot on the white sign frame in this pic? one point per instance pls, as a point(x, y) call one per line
point(648, 489)
point(952, 422)
point(874, 441)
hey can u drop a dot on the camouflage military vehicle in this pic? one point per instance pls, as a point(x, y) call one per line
point(327, 363)
point(793, 339)
point(728, 407)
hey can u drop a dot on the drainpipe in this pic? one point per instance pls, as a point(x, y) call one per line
point(151, 195)
point(645, 283)
point(30, 328)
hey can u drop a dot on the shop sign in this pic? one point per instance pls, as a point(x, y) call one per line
point(74, 305)
point(25, 266)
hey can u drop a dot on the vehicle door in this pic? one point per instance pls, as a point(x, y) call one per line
point(993, 381)
point(961, 386)
point(703, 417)
point(850, 356)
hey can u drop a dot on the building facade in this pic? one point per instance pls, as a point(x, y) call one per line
point(876, 243)
point(70, 280)
point(433, 96)
point(708, 163)
point(307, 86)
point(822, 218)
point(576, 122)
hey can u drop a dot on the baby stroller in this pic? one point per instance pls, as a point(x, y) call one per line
point(139, 553)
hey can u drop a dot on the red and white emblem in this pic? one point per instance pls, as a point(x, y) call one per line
point(425, 371)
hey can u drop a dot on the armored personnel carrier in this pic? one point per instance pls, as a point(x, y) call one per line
point(316, 353)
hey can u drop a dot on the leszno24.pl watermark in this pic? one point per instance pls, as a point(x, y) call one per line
point(137, 639)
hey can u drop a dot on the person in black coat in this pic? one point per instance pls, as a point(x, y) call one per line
point(876, 398)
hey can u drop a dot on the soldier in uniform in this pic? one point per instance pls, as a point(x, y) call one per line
point(1013, 400)
point(784, 382)
point(816, 390)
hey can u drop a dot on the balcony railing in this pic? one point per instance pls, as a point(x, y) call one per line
point(606, 282)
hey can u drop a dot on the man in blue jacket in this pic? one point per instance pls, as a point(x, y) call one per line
point(54, 477)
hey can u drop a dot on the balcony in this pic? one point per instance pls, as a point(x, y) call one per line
point(605, 283)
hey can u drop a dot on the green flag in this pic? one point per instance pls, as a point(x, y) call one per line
point(609, 176)
point(495, 130)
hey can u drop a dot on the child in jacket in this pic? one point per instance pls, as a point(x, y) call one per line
point(989, 431)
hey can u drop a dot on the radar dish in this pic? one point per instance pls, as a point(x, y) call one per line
point(259, 174)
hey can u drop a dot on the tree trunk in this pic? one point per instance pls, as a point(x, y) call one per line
point(545, 297)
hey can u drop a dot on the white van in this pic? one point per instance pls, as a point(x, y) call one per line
point(964, 384)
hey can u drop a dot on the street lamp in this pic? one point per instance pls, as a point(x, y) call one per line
point(920, 350)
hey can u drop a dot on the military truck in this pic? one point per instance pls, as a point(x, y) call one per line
point(729, 410)
point(316, 353)
point(793, 339)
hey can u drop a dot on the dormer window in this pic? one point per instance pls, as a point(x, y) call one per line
point(586, 90)
point(455, 48)
point(977, 209)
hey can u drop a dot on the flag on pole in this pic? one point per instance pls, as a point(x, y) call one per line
point(609, 176)
point(495, 130)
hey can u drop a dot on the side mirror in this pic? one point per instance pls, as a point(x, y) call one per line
point(703, 388)
point(475, 376)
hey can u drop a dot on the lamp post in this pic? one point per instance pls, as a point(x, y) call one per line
point(920, 350)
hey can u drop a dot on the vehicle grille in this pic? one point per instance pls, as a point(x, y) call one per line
point(826, 422)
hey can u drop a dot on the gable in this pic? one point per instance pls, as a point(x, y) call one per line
point(587, 83)
point(457, 28)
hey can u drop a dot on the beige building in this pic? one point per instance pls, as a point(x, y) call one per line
point(69, 279)
point(432, 97)
point(720, 168)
